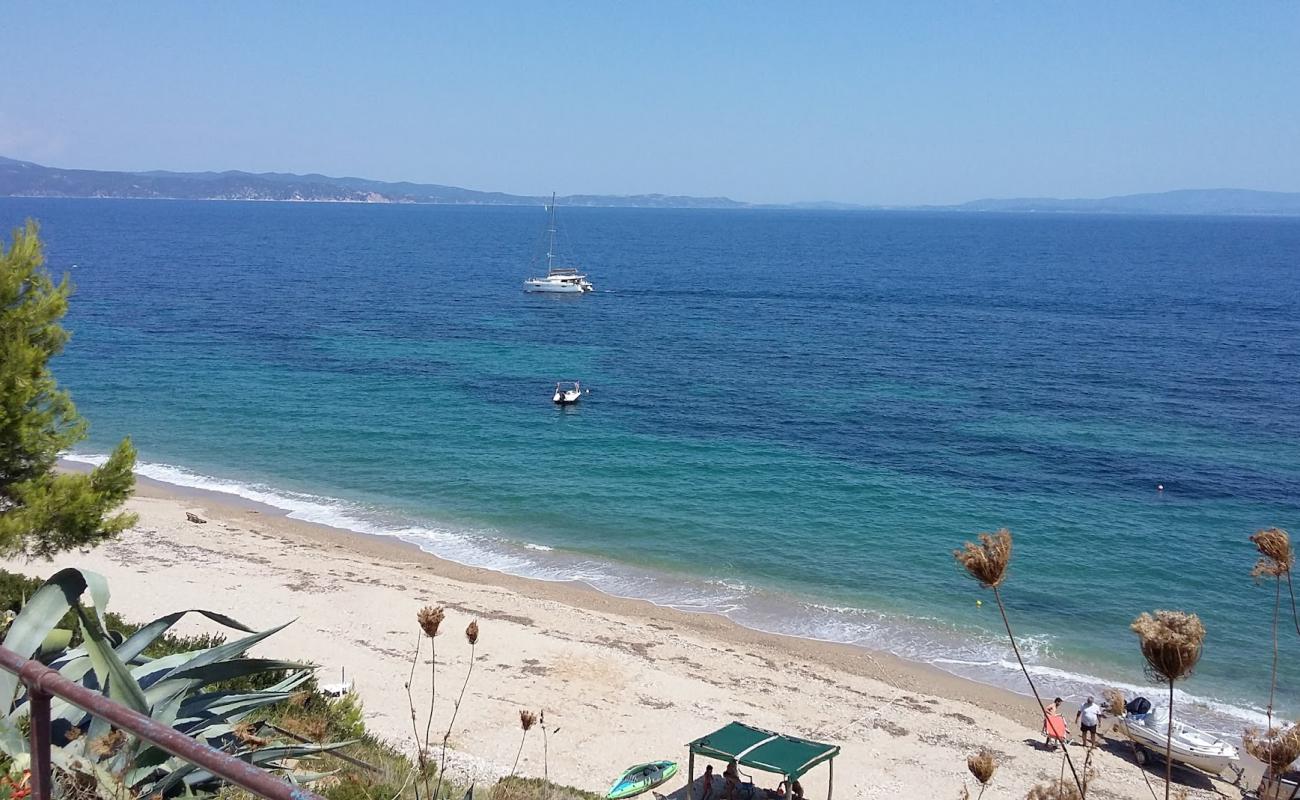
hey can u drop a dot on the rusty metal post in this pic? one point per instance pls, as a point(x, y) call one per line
point(40, 740)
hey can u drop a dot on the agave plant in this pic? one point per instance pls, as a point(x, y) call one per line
point(172, 690)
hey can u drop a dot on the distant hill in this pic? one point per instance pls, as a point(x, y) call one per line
point(25, 179)
point(1183, 201)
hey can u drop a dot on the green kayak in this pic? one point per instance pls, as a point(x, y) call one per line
point(641, 778)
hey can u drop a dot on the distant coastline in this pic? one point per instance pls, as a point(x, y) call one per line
point(28, 179)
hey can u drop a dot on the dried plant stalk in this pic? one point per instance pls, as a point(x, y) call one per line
point(1275, 554)
point(982, 766)
point(471, 636)
point(415, 729)
point(1114, 702)
point(527, 720)
point(1275, 561)
point(987, 563)
point(1054, 791)
point(430, 620)
point(1171, 643)
point(1277, 748)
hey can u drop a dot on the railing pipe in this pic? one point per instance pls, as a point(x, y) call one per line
point(43, 683)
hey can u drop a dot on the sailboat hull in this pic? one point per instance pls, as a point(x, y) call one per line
point(541, 286)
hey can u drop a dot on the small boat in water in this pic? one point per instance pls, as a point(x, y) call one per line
point(641, 778)
point(1189, 745)
point(567, 393)
point(558, 280)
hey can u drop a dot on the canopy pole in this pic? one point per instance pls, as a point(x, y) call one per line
point(690, 777)
point(830, 779)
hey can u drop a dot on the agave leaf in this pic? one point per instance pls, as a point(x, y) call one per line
point(12, 741)
point(55, 641)
point(97, 586)
point(141, 639)
point(229, 650)
point(174, 776)
point(226, 704)
point(170, 685)
point(238, 668)
point(266, 757)
point(38, 616)
point(112, 673)
point(144, 674)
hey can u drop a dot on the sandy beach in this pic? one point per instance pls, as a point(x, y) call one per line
point(620, 681)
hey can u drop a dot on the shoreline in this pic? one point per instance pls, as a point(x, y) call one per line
point(983, 660)
point(917, 720)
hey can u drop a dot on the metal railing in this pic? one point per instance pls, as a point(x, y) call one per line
point(44, 683)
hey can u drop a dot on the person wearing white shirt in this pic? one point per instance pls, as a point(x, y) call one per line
point(1088, 716)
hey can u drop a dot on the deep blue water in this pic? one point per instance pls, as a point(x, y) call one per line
point(795, 416)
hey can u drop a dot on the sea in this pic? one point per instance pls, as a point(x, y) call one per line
point(795, 417)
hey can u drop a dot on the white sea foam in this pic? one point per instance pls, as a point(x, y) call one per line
point(918, 639)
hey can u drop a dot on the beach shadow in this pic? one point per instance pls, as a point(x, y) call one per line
point(1155, 767)
point(680, 794)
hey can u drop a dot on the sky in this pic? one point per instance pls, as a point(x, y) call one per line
point(864, 102)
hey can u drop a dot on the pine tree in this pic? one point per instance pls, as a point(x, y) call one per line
point(43, 511)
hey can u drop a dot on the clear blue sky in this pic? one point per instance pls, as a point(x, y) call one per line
point(896, 102)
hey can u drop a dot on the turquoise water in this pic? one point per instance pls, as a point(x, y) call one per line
point(795, 416)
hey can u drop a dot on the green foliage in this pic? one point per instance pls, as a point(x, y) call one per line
point(516, 788)
point(43, 512)
point(347, 717)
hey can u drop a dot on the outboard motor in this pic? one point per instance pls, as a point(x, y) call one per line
point(1138, 706)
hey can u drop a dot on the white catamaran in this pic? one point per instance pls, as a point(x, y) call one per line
point(558, 280)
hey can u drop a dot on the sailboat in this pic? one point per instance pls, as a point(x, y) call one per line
point(558, 280)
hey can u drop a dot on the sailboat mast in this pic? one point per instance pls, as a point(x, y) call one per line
point(550, 251)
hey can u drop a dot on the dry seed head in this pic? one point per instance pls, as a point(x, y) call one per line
point(471, 633)
point(1054, 791)
point(1278, 748)
point(107, 745)
point(245, 733)
point(1171, 642)
point(1114, 702)
point(527, 719)
point(1276, 555)
point(964, 794)
point(430, 619)
point(982, 766)
point(987, 561)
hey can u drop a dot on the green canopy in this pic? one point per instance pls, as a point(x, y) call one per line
point(764, 750)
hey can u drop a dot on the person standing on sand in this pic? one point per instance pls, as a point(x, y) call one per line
point(1088, 716)
point(707, 781)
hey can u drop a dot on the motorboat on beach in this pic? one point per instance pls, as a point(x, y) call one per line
point(558, 280)
point(1189, 745)
point(567, 393)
